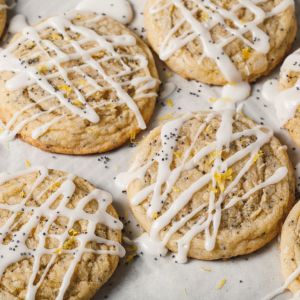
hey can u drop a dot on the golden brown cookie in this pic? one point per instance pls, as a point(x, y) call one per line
point(290, 248)
point(204, 191)
point(284, 94)
point(76, 84)
point(59, 236)
point(219, 42)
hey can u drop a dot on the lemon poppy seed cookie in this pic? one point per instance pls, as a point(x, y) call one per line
point(290, 250)
point(210, 186)
point(284, 94)
point(60, 237)
point(76, 84)
point(219, 42)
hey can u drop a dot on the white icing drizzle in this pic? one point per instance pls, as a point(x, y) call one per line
point(66, 191)
point(118, 9)
point(208, 222)
point(282, 289)
point(215, 50)
point(287, 100)
point(27, 75)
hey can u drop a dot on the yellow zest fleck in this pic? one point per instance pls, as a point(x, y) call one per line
point(206, 269)
point(259, 154)
point(221, 284)
point(170, 102)
point(166, 117)
point(77, 103)
point(55, 186)
point(213, 155)
point(246, 52)
point(43, 70)
point(22, 194)
point(176, 189)
point(58, 251)
point(155, 215)
point(55, 36)
point(27, 163)
point(73, 232)
point(66, 89)
point(69, 244)
point(132, 136)
point(232, 83)
point(178, 154)
point(214, 190)
point(221, 178)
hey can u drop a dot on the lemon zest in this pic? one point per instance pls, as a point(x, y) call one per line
point(27, 163)
point(176, 189)
point(22, 194)
point(221, 283)
point(166, 117)
point(55, 186)
point(43, 70)
point(155, 215)
point(221, 178)
point(73, 232)
point(259, 154)
point(246, 53)
point(170, 103)
point(55, 36)
point(66, 89)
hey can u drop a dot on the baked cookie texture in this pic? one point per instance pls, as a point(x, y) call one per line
point(288, 80)
point(276, 33)
point(244, 227)
point(110, 81)
point(290, 247)
point(3, 16)
point(91, 270)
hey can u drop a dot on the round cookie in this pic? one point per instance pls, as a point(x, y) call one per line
point(76, 84)
point(219, 42)
point(60, 237)
point(290, 249)
point(206, 192)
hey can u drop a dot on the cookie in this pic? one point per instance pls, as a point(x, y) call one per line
point(219, 42)
point(59, 236)
point(78, 84)
point(210, 186)
point(284, 94)
point(3, 16)
point(290, 250)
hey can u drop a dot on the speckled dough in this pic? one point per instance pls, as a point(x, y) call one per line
point(91, 272)
point(74, 134)
point(290, 246)
point(3, 14)
point(293, 124)
point(246, 226)
point(186, 61)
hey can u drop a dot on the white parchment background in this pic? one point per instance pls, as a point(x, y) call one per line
point(248, 278)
